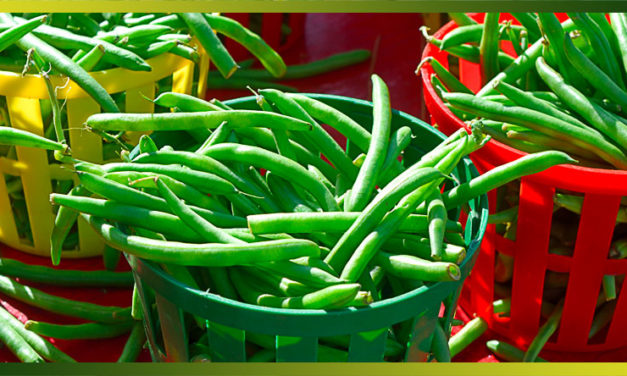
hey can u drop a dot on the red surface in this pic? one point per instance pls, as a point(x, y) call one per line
point(602, 189)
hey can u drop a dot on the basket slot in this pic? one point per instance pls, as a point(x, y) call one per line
point(598, 216)
point(296, 349)
point(534, 226)
point(367, 346)
point(8, 229)
point(24, 114)
point(173, 329)
point(421, 333)
point(618, 325)
point(227, 344)
point(12, 167)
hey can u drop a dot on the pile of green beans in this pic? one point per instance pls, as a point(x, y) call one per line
point(564, 89)
point(75, 44)
point(292, 231)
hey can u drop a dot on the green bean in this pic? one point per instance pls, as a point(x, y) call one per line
point(62, 306)
point(314, 68)
point(527, 165)
point(618, 250)
point(366, 179)
point(334, 118)
point(374, 212)
point(193, 120)
point(600, 45)
point(544, 333)
point(40, 345)
point(602, 317)
point(18, 137)
point(594, 75)
point(17, 344)
point(86, 24)
point(60, 277)
point(184, 102)
point(461, 19)
point(80, 331)
point(504, 216)
point(159, 221)
point(185, 52)
point(555, 35)
point(411, 267)
point(466, 34)
point(66, 66)
point(308, 275)
point(466, 335)
point(522, 64)
point(64, 39)
point(204, 228)
point(594, 114)
point(619, 25)
point(436, 213)
point(609, 286)
point(551, 143)
point(134, 344)
point(439, 345)
point(489, 47)
point(400, 139)
point(202, 254)
point(135, 35)
point(449, 80)
point(522, 98)
point(141, 20)
point(287, 199)
point(14, 33)
point(91, 58)
point(63, 223)
point(530, 23)
point(278, 284)
point(203, 181)
point(419, 246)
point(278, 164)
point(507, 352)
point(319, 137)
point(541, 122)
point(154, 49)
point(230, 28)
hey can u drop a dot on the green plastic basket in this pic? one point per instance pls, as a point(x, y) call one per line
point(169, 305)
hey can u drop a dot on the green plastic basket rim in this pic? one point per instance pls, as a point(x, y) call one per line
point(290, 322)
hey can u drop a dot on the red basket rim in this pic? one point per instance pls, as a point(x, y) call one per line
point(571, 177)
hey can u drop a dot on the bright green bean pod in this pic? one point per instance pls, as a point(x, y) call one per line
point(595, 75)
point(63, 277)
point(544, 333)
point(276, 163)
point(310, 276)
point(285, 195)
point(489, 47)
point(467, 34)
point(448, 79)
point(410, 267)
point(314, 68)
point(185, 121)
point(201, 29)
point(185, 52)
point(202, 254)
point(155, 49)
point(91, 58)
point(436, 213)
point(596, 116)
point(18, 137)
point(13, 34)
point(230, 28)
point(542, 123)
point(134, 344)
point(63, 223)
point(41, 346)
point(323, 142)
point(527, 165)
point(508, 352)
point(530, 23)
point(62, 306)
point(17, 344)
point(204, 228)
point(619, 25)
point(277, 284)
point(602, 317)
point(185, 102)
point(468, 334)
point(418, 246)
point(366, 180)
point(461, 19)
point(79, 331)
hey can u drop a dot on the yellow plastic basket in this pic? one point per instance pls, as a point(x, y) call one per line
point(23, 94)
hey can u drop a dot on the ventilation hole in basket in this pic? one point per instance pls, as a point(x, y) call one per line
point(19, 209)
point(604, 313)
point(255, 23)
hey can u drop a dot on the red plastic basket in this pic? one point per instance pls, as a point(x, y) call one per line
point(279, 30)
point(602, 191)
